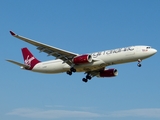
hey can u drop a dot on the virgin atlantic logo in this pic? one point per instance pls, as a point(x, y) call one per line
point(28, 60)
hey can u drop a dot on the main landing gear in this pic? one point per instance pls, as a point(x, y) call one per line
point(71, 70)
point(88, 77)
point(139, 63)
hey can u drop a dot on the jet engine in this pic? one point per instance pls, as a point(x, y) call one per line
point(108, 73)
point(82, 59)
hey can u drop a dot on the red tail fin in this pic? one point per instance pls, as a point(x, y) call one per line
point(29, 59)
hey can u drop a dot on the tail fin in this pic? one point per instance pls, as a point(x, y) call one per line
point(29, 59)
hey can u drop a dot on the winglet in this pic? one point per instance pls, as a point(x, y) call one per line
point(12, 33)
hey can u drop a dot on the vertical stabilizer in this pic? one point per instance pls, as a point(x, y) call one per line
point(29, 59)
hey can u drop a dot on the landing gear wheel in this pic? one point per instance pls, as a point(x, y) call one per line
point(139, 65)
point(84, 80)
point(88, 77)
point(69, 72)
point(73, 69)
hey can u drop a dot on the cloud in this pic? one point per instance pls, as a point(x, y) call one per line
point(55, 114)
point(51, 114)
point(152, 113)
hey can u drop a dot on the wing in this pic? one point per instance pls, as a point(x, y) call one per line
point(64, 55)
point(19, 64)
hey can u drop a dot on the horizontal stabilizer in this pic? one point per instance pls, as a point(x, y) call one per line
point(19, 64)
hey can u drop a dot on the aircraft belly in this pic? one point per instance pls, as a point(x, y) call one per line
point(49, 68)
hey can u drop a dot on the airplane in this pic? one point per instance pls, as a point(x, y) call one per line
point(93, 64)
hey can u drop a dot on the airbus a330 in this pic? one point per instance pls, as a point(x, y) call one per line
point(93, 64)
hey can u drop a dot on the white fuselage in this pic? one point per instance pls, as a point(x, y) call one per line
point(101, 59)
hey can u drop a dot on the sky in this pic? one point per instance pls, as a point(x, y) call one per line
point(82, 26)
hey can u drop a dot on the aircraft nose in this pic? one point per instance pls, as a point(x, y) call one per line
point(154, 51)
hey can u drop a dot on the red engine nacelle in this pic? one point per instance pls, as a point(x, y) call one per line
point(82, 59)
point(108, 73)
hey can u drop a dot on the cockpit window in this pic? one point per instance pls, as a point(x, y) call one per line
point(148, 47)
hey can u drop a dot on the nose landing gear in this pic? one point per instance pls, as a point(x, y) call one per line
point(139, 63)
